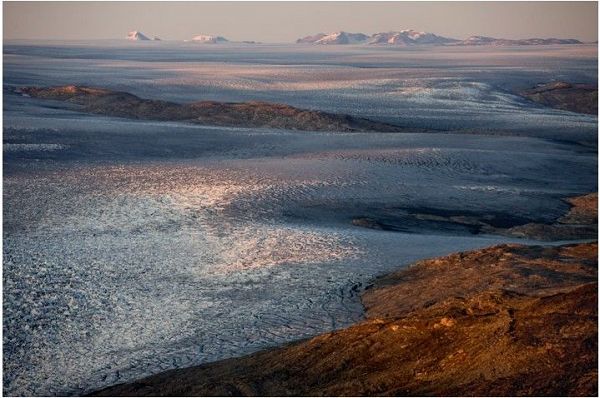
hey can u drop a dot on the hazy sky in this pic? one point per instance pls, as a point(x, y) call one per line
point(286, 21)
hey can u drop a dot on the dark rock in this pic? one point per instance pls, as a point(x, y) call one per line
point(581, 98)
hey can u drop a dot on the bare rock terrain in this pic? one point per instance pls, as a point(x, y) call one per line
point(245, 114)
point(581, 98)
point(581, 222)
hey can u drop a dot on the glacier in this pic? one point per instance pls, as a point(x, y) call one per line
point(133, 247)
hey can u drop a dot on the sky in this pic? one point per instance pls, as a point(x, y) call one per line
point(286, 21)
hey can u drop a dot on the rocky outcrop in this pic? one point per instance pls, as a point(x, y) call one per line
point(581, 98)
point(584, 210)
point(581, 222)
point(244, 114)
point(506, 320)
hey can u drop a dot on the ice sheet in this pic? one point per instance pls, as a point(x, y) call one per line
point(132, 247)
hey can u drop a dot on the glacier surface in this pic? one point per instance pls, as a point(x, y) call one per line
point(133, 247)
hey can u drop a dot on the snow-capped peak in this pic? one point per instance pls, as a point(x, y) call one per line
point(209, 39)
point(409, 37)
point(402, 37)
point(412, 33)
point(135, 35)
point(335, 38)
point(311, 39)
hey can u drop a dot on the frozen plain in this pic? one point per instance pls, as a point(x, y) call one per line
point(132, 247)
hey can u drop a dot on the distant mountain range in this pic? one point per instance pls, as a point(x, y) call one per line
point(411, 37)
point(491, 41)
point(403, 37)
point(206, 39)
point(407, 37)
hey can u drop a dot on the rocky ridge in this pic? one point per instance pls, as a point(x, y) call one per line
point(574, 97)
point(244, 114)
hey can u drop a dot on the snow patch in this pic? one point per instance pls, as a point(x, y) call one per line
point(209, 39)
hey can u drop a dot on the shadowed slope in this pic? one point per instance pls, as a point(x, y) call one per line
point(245, 114)
point(506, 320)
point(581, 222)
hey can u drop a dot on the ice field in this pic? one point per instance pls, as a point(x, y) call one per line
point(133, 247)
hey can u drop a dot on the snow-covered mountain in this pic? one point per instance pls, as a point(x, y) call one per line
point(477, 41)
point(209, 39)
point(403, 37)
point(135, 35)
point(335, 38)
point(311, 39)
point(409, 37)
point(492, 41)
